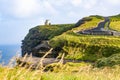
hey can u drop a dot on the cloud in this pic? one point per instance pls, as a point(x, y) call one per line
point(25, 8)
point(76, 2)
point(114, 2)
point(49, 8)
point(87, 4)
point(58, 2)
point(33, 8)
point(64, 3)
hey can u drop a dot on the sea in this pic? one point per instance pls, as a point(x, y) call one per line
point(8, 52)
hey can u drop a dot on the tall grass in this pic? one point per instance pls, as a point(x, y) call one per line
point(60, 71)
point(82, 73)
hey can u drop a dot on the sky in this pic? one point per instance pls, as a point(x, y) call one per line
point(18, 16)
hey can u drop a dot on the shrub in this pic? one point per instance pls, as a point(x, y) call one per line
point(110, 61)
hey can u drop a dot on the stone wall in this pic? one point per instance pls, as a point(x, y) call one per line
point(112, 33)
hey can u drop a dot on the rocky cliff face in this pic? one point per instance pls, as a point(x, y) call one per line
point(32, 39)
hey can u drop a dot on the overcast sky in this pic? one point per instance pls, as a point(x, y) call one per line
point(18, 16)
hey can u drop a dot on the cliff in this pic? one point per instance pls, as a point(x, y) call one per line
point(68, 39)
point(43, 33)
point(40, 34)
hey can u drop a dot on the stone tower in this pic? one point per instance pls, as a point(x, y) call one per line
point(47, 22)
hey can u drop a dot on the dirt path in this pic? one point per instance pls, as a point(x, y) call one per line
point(101, 29)
point(100, 26)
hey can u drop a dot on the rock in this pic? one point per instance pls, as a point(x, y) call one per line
point(41, 49)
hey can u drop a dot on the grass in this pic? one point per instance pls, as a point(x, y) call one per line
point(59, 71)
point(79, 73)
point(110, 61)
point(114, 22)
point(89, 24)
point(106, 27)
point(115, 25)
point(86, 47)
point(105, 74)
point(49, 31)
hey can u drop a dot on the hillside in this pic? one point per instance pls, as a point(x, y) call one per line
point(90, 39)
point(46, 32)
point(115, 22)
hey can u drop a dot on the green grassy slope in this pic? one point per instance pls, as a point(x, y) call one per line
point(95, 20)
point(86, 47)
point(115, 22)
point(49, 31)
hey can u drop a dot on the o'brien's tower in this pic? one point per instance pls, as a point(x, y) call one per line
point(47, 22)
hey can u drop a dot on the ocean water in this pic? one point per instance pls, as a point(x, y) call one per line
point(7, 52)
